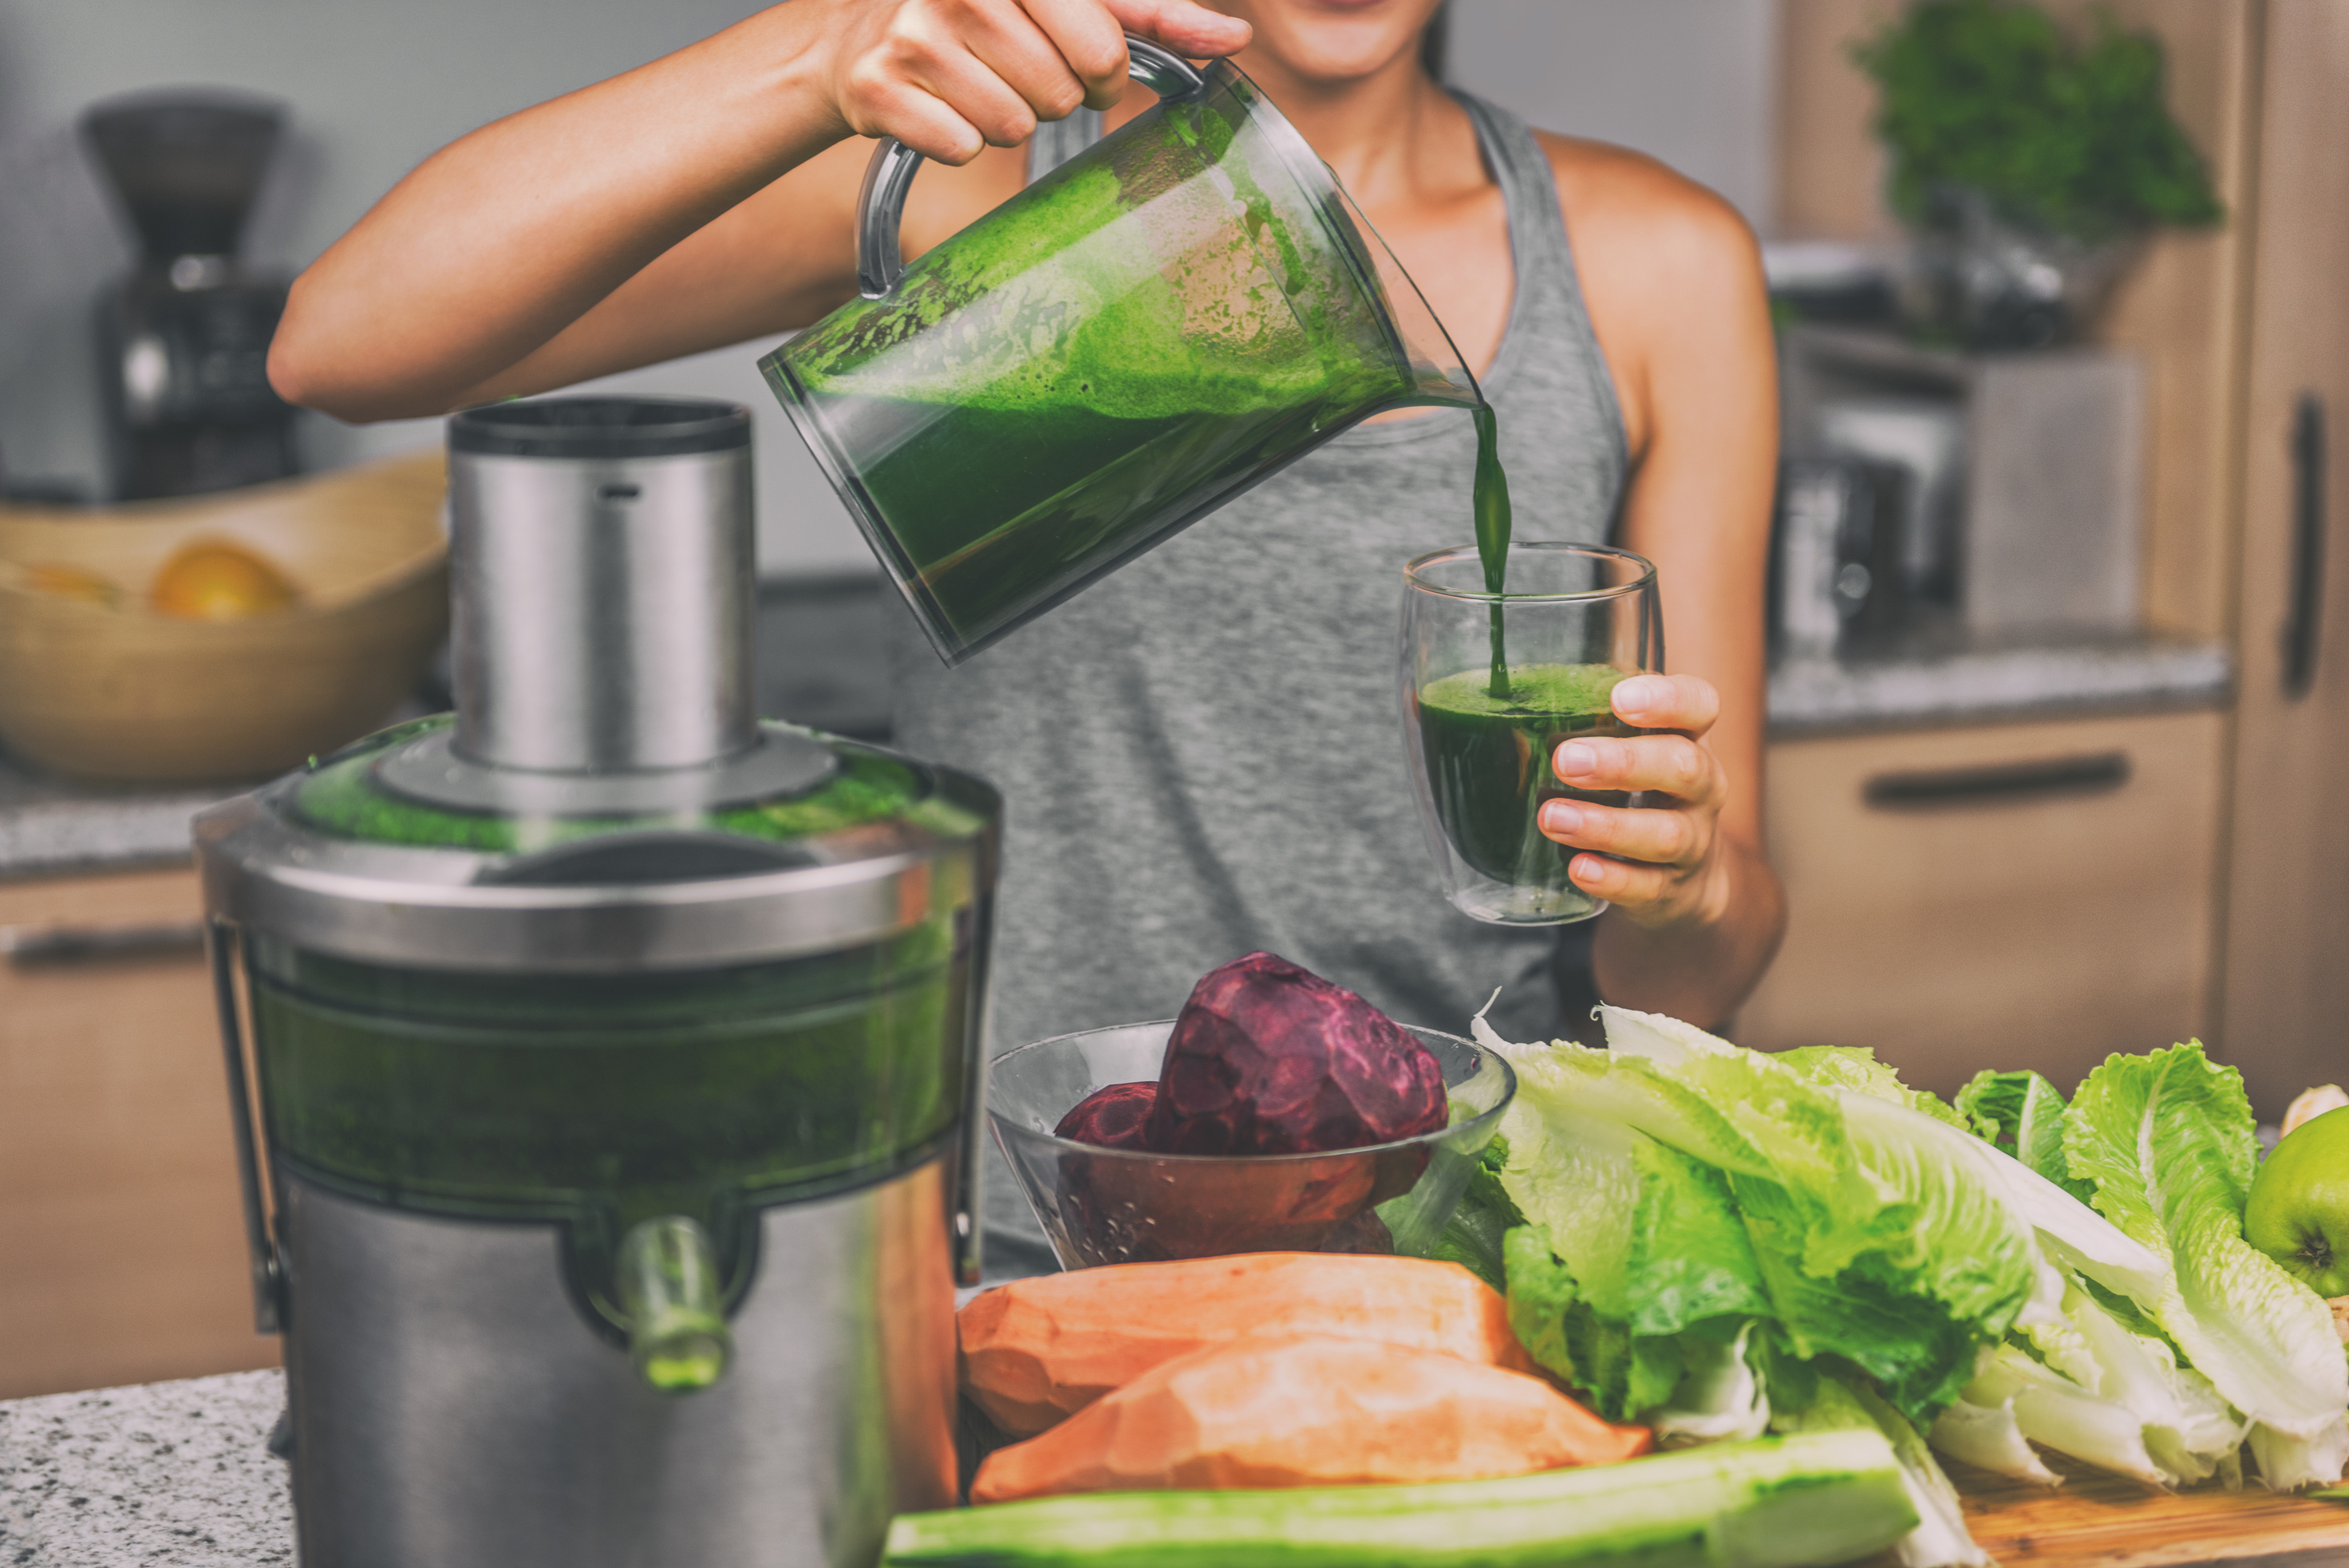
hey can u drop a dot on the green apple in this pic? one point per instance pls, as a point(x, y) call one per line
point(2299, 1208)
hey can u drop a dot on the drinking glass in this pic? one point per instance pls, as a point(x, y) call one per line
point(1491, 684)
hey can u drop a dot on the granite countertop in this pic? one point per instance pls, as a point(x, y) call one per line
point(822, 660)
point(170, 1475)
point(1941, 676)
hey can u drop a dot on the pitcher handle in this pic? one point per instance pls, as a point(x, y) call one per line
point(880, 205)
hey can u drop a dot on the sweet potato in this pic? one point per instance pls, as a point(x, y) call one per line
point(1307, 1412)
point(1038, 1350)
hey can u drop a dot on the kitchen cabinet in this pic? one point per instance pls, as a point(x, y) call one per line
point(122, 1250)
point(2244, 332)
point(2041, 894)
point(2285, 1008)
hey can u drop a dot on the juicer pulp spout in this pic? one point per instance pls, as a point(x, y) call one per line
point(671, 1288)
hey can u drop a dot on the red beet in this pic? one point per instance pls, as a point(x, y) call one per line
point(1114, 1117)
point(1268, 1058)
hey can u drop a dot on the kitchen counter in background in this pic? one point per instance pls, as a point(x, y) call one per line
point(823, 660)
point(1932, 678)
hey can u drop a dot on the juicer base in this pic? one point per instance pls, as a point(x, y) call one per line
point(449, 1406)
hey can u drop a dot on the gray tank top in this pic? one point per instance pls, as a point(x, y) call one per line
point(1202, 755)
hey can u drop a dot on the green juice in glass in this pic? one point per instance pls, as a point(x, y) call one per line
point(1488, 761)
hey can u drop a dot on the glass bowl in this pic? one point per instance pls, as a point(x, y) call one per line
point(1127, 1206)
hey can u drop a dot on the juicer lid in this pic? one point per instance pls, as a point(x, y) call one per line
point(605, 796)
point(332, 859)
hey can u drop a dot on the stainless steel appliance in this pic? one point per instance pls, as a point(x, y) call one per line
point(183, 339)
point(613, 1056)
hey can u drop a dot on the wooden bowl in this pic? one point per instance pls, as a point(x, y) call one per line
point(118, 691)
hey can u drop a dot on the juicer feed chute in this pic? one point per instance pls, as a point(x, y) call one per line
point(613, 1056)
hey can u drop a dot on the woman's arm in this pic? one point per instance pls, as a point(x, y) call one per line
point(1674, 286)
point(685, 205)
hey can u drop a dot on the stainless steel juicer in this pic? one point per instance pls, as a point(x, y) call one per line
point(607, 1118)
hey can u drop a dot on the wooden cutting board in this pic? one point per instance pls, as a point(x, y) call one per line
point(2095, 1519)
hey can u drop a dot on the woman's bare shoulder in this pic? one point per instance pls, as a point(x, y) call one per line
point(1616, 198)
point(1671, 272)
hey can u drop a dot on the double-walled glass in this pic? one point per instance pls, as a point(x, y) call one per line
point(1491, 684)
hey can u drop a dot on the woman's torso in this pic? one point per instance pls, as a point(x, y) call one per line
point(1201, 755)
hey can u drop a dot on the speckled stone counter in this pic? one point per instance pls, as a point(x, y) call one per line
point(54, 828)
point(822, 659)
point(170, 1475)
point(1929, 678)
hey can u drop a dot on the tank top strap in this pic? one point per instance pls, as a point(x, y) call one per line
point(1538, 241)
point(1548, 318)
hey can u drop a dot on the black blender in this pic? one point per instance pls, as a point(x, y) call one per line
point(613, 1056)
point(183, 339)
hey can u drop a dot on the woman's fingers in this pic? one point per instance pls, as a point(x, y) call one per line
point(1659, 837)
point(1668, 764)
point(1183, 26)
point(948, 76)
point(1622, 883)
point(1090, 42)
point(1684, 702)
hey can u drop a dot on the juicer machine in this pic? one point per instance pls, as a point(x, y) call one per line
point(604, 1060)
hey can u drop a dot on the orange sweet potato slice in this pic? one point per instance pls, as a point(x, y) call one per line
point(1307, 1412)
point(1039, 1350)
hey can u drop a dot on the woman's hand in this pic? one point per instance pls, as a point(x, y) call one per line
point(1666, 868)
point(948, 77)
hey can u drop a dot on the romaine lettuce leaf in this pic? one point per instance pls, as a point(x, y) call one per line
point(2169, 1142)
point(1988, 1437)
point(2022, 1114)
point(2056, 1413)
point(1683, 1179)
point(1855, 1067)
point(2187, 1427)
point(1620, 1372)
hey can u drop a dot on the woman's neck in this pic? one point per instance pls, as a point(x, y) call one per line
point(1375, 131)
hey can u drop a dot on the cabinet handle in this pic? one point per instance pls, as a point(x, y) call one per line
point(2307, 587)
point(61, 947)
point(2057, 776)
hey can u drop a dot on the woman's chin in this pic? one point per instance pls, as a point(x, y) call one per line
point(1329, 42)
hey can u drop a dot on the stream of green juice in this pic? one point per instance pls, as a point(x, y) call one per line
point(1491, 502)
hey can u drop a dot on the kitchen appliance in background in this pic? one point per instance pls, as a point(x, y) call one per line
point(1835, 566)
point(1923, 437)
point(616, 1056)
point(2026, 471)
point(183, 339)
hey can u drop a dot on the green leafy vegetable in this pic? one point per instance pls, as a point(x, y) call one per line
point(2022, 1114)
point(1486, 1214)
point(2169, 1142)
point(2072, 138)
point(1864, 1242)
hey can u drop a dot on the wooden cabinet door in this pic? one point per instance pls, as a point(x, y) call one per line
point(2013, 896)
point(122, 1250)
point(2285, 1013)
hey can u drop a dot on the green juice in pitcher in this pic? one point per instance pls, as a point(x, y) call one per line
point(1489, 765)
point(1137, 338)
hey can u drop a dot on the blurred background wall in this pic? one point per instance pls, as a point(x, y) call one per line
point(374, 85)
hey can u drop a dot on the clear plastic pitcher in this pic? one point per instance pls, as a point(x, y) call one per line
point(1174, 314)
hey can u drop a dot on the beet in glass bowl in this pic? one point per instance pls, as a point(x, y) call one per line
point(1131, 1205)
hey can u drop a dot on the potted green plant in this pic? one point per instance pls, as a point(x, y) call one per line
point(2030, 165)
